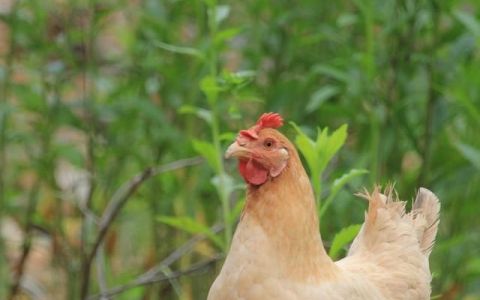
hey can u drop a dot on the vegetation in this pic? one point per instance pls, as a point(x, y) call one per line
point(114, 116)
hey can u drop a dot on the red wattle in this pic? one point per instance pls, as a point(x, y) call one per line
point(252, 172)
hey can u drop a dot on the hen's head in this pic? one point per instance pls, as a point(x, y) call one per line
point(262, 151)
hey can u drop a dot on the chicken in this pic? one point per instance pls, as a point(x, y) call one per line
point(277, 252)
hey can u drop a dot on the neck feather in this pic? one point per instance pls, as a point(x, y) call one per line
point(284, 207)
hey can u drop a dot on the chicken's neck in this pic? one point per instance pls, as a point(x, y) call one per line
point(284, 208)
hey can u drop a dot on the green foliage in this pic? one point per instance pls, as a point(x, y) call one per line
point(320, 96)
point(342, 239)
point(337, 185)
point(179, 49)
point(469, 153)
point(192, 226)
point(208, 151)
point(318, 153)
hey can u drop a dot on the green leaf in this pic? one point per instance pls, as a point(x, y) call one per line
point(469, 153)
point(320, 96)
point(341, 239)
point(134, 292)
point(226, 34)
point(221, 13)
point(227, 136)
point(224, 184)
point(336, 140)
point(208, 151)
point(236, 80)
point(209, 3)
point(318, 153)
point(468, 21)
point(191, 226)
point(473, 266)
point(332, 72)
point(337, 186)
point(328, 146)
point(178, 49)
point(347, 19)
point(236, 210)
point(201, 113)
point(306, 147)
point(210, 87)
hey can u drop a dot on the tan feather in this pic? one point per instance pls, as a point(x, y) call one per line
point(427, 206)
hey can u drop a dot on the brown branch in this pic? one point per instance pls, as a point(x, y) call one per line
point(157, 270)
point(179, 253)
point(116, 203)
point(85, 207)
point(20, 267)
point(196, 268)
point(27, 241)
point(100, 263)
point(5, 87)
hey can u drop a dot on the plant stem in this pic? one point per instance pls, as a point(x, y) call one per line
point(5, 90)
point(431, 100)
point(369, 55)
point(374, 144)
point(369, 65)
point(116, 203)
point(212, 26)
point(89, 71)
point(213, 97)
point(222, 189)
point(27, 241)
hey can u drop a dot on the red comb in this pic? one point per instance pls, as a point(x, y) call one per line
point(267, 120)
point(270, 120)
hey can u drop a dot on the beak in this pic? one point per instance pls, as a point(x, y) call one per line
point(235, 150)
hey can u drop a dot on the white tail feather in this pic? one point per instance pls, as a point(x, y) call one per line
point(426, 209)
point(424, 217)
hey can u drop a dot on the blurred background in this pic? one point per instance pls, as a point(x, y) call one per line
point(114, 116)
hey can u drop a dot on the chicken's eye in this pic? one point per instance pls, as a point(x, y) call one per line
point(268, 143)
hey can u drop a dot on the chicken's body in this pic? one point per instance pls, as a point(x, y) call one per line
point(277, 252)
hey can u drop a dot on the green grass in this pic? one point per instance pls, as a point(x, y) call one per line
point(94, 92)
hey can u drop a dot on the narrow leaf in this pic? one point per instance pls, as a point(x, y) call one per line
point(210, 87)
point(191, 226)
point(221, 13)
point(469, 153)
point(328, 145)
point(341, 239)
point(337, 186)
point(202, 113)
point(227, 136)
point(473, 266)
point(179, 49)
point(320, 96)
point(224, 184)
point(336, 140)
point(226, 34)
point(468, 21)
point(307, 147)
point(236, 210)
point(332, 72)
point(207, 150)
